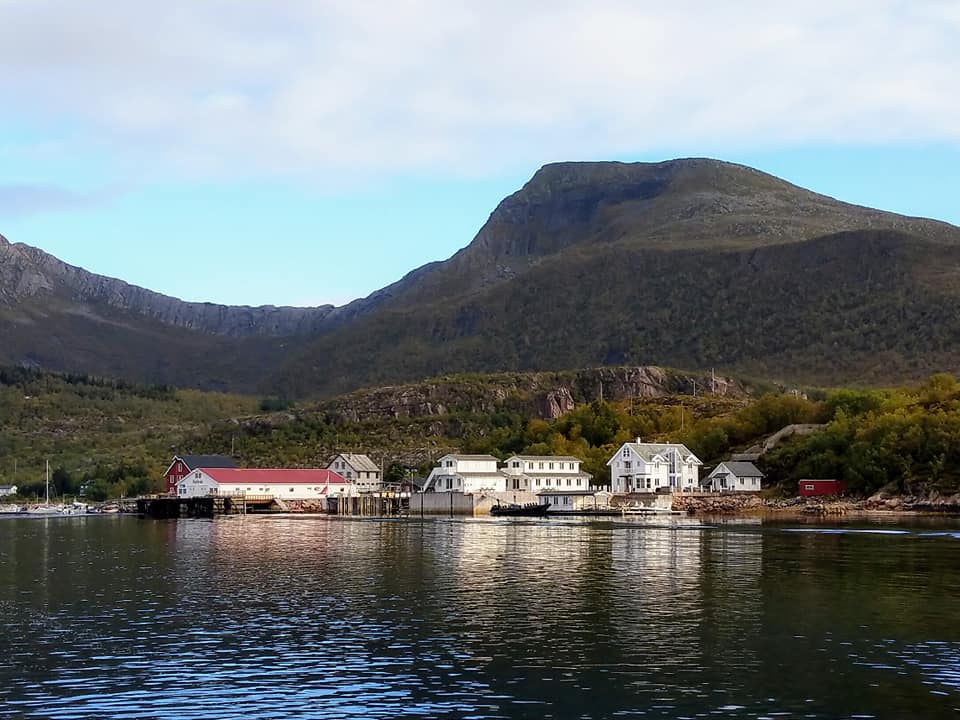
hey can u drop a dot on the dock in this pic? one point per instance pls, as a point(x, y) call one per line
point(170, 506)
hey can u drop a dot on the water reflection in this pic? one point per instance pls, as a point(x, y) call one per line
point(323, 618)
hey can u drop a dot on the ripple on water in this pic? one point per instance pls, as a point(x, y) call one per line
point(291, 618)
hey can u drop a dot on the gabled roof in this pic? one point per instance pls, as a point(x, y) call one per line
point(545, 458)
point(194, 462)
point(740, 469)
point(488, 458)
point(648, 451)
point(262, 476)
point(359, 462)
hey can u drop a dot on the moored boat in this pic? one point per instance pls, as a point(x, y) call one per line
point(514, 510)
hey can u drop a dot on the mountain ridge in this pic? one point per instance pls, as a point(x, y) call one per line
point(685, 263)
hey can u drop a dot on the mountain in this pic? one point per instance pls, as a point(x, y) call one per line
point(60, 317)
point(688, 263)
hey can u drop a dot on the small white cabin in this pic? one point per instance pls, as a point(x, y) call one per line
point(734, 477)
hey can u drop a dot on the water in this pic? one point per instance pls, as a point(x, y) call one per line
point(278, 617)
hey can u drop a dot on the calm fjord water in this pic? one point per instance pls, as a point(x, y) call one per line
point(279, 617)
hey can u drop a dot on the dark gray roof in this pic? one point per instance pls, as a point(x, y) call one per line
point(359, 462)
point(193, 462)
point(743, 469)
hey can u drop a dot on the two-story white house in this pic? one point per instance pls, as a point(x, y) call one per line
point(358, 469)
point(545, 472)
point(466, 474)
point(648, 467)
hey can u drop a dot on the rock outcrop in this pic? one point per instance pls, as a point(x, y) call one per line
point(546, 395)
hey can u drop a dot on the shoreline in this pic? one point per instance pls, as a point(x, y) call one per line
point(877, 505)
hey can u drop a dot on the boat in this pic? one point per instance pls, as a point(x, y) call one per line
point(514, 510)
point(46, 508)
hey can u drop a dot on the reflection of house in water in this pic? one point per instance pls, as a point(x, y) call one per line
point(684, 592)
point(731, 583)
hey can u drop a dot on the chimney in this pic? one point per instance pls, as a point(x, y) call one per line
point(638, 440)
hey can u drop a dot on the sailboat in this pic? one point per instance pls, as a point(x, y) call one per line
point(46, 508)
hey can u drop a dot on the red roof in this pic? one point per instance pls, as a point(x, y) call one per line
point(260, 476)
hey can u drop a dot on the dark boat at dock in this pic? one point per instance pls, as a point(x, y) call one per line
point(527, 510)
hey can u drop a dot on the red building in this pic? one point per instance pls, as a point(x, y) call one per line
point(810, 488)
point(183, 464)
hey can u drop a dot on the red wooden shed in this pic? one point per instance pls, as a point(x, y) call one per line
point(809, 488)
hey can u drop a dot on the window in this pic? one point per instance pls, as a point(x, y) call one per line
point(551, 466)
point(626, 452)
point(541, 466)
point(538, 482)
point(449, 483)
point(449, 463)
point(579, 482)
point(569, 482)
point(291, 489)
point(515, 464)
point(627, 464)
point(808, 486)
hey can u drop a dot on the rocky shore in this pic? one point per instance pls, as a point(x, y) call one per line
point(753, 503)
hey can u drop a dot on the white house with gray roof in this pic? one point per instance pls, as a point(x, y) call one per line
point(649, 467)
point(545, 472)
point(359, 470)
point(734, 476)
point(466, 474)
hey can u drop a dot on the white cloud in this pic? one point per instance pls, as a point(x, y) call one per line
point(324, 89)
point(21, 200)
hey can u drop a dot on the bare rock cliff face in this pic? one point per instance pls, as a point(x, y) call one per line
point(545, 395)
point(29, 275)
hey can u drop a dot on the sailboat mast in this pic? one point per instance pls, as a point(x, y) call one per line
point(48, 482)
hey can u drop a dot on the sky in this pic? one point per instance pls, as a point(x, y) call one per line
point(302, 152)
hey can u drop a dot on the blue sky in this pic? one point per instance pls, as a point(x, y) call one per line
point(310, 152)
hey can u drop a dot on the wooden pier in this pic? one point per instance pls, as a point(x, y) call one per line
point(376, 504)
point(170, 506)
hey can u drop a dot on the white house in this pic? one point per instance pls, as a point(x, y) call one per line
point(283, 484)
point(736, 476)
point(648, 467)
point(8, 490)
point(466, 474)
point(563, 500)
point(358, 469)
point(543, 472)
